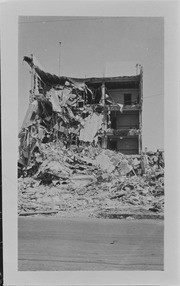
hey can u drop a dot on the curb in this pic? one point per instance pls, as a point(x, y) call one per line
point(130, 215)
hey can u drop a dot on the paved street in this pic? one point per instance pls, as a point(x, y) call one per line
point(54, 243)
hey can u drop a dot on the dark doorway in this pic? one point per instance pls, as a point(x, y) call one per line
point(127, 99)
point(128, 146)
point(112, 144)
point(113, 123)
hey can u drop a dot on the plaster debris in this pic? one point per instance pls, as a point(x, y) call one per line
point(65, 165)
point(90, 180)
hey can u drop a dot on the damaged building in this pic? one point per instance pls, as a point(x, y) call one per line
point(105, 112)
point(123, 111)
point(80, 149)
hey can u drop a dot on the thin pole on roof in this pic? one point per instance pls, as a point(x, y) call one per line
point(137, 68)
point(59, 57)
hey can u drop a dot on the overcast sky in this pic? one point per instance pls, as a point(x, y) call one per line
point(96, 47)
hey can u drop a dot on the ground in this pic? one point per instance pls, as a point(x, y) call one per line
point(60, 243)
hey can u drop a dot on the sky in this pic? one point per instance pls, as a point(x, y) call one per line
point(96, 47)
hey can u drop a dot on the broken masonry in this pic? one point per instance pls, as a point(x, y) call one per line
point(105, 112)
point(90, 179)
point(80, 147)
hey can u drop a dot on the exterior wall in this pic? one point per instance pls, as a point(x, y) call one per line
point(127, 145)
point(129, 119)
point(126, 119)
point(117, 95)
point(140, 113)
point(124, 139)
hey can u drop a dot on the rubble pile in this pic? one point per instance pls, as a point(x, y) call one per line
point(65, 164)
point(58, 116)
point(90, 180)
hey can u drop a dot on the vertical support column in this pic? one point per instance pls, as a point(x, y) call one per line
point(104, 127)
point(140, 111)
point(144, 161)
point(140, 131)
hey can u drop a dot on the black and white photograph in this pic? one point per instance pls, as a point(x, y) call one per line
point(91, 164)
point(90, 178)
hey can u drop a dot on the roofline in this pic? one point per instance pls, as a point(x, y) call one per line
point(89, 80)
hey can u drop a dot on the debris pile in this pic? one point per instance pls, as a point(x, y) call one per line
point(59, 117)
point(90, 180)
point(73, 111)
point(64, 163)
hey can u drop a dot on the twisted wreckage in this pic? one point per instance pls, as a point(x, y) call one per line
point(100, 111)
point(63, 146)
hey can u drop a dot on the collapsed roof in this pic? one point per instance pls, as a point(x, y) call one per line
point(52, 79)
point(68, 109)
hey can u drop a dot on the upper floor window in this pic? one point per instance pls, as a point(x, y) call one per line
point(127, 98)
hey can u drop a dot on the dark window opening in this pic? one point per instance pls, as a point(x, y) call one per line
point(89, 98)
point(127, 99)
point(97, 96)
point(113, 123)
point(112, 144)
point(81, 104)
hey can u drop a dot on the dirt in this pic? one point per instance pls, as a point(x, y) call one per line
point(64, 244)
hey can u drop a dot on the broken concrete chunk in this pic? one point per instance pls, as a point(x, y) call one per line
point(82, 180)
point(135, 162)
point(104, 162)
point(91, 126)
point(55, 169)
point(124, 167)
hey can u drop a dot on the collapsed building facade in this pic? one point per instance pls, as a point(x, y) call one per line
point(105, 112)
point(123, 111)
point(80, 149)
